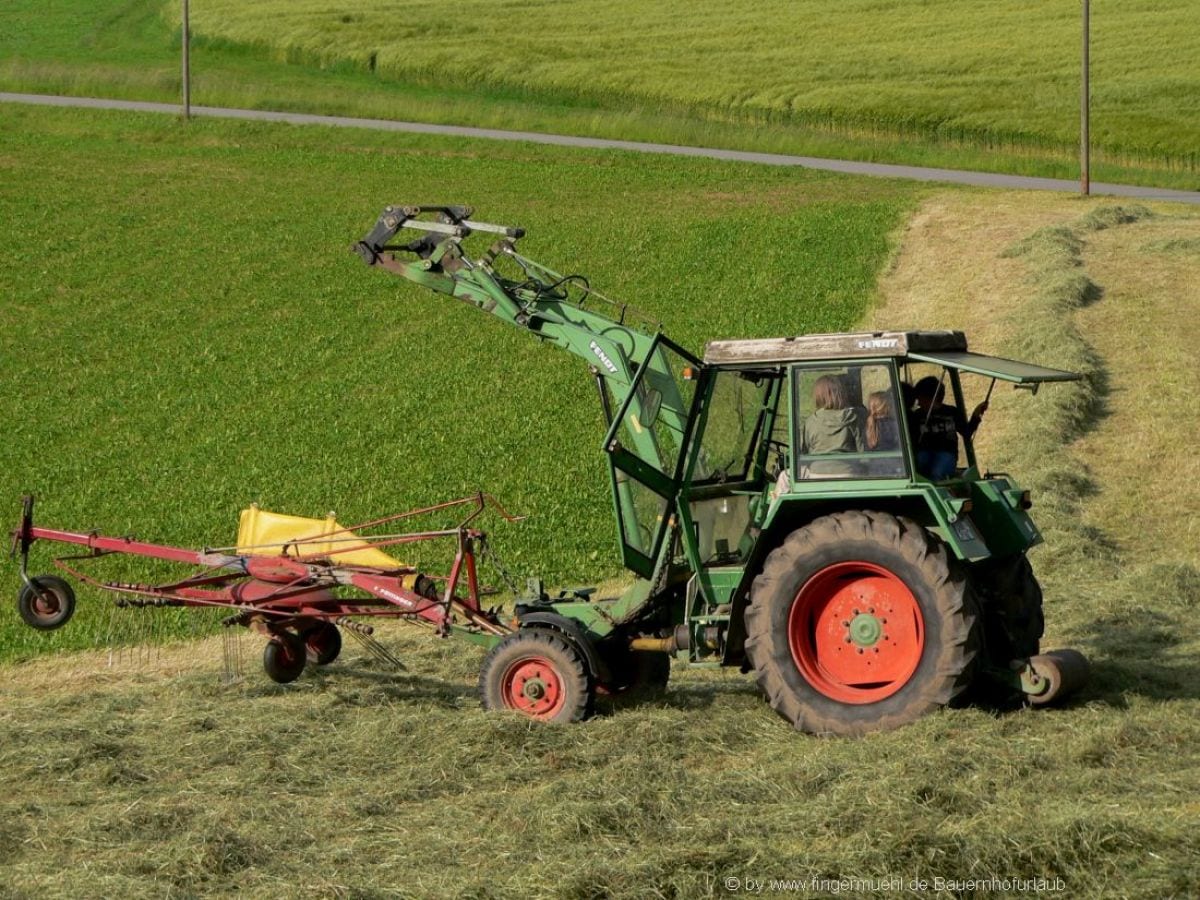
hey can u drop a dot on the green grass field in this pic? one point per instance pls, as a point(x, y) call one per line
point(184, 331)
point(947, 83)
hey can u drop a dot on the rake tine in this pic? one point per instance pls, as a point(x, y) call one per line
point(376, 649)
point(231, 646)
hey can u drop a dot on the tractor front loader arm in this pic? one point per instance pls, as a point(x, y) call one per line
point(624, 350)
point(561, 310)
point(555, 308)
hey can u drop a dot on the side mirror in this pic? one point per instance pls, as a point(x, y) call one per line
point(651, 403)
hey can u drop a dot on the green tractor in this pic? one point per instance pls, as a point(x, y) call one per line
point(770, 499)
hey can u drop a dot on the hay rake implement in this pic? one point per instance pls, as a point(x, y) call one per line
point(299, 582)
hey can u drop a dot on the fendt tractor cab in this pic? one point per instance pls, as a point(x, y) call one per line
point(770, 500)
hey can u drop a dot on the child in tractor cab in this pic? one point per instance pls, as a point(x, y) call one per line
point(936, 426)
point(835, 426)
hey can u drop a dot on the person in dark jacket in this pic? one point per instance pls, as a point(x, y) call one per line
point(936, 427)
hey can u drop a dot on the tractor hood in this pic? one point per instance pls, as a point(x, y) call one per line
point(993, 366)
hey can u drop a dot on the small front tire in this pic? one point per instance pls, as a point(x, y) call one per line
point(639, 676)
point(539, 674)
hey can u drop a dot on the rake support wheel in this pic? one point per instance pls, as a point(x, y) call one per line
point(322, 643)
point(859, 622)
point(46, 603)
point(1065, 671)
point(284, 657)
point(540, 674)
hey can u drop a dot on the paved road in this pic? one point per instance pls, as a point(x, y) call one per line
point(918, 173)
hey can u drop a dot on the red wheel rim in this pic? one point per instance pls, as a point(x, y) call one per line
point(318, 640)
point(532, 686)
point(288, 651)
point(46, 603)
point(856, 632)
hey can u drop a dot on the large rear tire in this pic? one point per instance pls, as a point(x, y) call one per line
point(1012, 608)
point(860, 622)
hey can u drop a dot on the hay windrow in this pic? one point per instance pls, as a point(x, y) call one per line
point(1044, 331)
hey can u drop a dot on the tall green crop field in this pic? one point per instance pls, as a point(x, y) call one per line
point(948, 83)
point(1003, 73)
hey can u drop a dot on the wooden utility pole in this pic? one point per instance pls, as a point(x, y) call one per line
point(187, 67)
point(1085, 162)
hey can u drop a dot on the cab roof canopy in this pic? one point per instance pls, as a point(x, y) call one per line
point(943, 348)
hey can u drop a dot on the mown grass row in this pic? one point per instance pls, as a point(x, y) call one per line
point(1004, 74)
point(131, 50)
point(1130, 610)
point(1046, 330)
point(184, 330)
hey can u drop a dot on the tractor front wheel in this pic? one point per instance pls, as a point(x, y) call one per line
point(46, 602)
point(861, 622)
point(539, 674)
point(638, 676)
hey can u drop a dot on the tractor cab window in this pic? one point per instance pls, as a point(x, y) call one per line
point(741, 408)
point(940, 430)
point(645, 444)
point(848, 423)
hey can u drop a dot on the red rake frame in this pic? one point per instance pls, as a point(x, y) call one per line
point(272, 591)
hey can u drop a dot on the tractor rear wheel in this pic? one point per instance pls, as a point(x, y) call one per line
point(860, 622)
point(540, 674)
point(1012, 608)
point(46, 603)
point(284, 657)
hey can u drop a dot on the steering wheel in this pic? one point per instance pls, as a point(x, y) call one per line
point(780, 449)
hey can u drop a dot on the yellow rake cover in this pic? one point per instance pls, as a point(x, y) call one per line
point(262, 533)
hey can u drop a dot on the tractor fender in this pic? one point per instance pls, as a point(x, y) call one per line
point(574, 632)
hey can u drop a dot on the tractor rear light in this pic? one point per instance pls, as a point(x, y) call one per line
point(689, 374)
point(1018, 499)
point(959, 507)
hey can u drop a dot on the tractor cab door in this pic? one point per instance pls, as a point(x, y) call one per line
point(645, 448)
